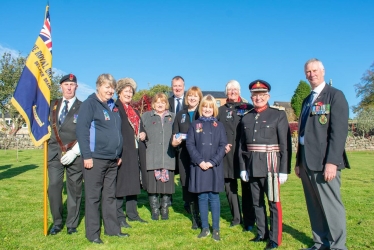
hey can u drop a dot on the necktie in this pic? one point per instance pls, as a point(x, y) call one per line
point(178, 105)
point(64, 112)
point(305, 112)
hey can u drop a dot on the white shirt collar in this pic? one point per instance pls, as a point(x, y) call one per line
point(320, 87)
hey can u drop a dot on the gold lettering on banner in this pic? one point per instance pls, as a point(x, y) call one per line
point(37, 119)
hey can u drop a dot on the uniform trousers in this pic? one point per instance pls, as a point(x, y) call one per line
point(74, 178)
point(100, 186)
point(249, 215)
point(231, 188)
point(325, 207)
point(259, 188)
point(131, 208)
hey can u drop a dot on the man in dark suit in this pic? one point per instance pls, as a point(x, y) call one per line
point(63, 154)
point(323, 131)
point(176, 102)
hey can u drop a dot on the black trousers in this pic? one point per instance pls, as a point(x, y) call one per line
point(249, 215)
point(259, 188)
point(231, 188)
point(131, 208)
point(74, 178)
point(100, 187)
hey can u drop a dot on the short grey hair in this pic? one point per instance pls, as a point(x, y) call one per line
point(232, 83)
point(314, 60)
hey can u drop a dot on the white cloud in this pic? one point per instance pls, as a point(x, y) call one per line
point(83, 91)
point(13, 52)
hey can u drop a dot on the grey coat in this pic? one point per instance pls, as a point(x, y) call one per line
point(160, 153)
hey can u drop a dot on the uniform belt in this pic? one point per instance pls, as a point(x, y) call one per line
point(263, 148)
point(271, 161)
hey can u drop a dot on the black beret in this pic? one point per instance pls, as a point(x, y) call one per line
point(259, 85)
point(69, 78)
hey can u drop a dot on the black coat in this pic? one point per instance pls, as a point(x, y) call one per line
point(133, 159)
point(230, 115)
point(181, 125)
point(206, 145)
point(265, 128)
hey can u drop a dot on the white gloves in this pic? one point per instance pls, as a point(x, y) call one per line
point(244, 175)
point(70, 155)
point(282, 178)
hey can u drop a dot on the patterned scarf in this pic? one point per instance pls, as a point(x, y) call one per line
point(133, 118)
point(162, 174)
point(208, 119)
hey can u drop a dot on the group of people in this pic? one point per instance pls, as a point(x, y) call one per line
point(117, 152)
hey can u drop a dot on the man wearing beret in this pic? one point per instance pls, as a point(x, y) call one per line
point(265, 160)
point(323, 129)
point(63, 154)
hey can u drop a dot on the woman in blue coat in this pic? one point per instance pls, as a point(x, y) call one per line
point(206, 141)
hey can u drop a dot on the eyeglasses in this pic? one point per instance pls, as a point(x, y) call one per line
point(232, 90)
point(259, 95)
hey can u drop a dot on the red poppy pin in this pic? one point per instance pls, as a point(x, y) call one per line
point(115, 109)
point(243, 106)
point(318, 104)
point(215, 124)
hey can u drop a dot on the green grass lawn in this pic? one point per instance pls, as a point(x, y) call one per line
point(21, 213)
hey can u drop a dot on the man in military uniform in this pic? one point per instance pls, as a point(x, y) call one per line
point(63, 150)
point(265, 160)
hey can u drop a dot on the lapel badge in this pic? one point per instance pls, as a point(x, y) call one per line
point(183, 118)
point(215, 124)
point(75, 118)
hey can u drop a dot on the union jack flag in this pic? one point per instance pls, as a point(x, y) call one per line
point(45, 33)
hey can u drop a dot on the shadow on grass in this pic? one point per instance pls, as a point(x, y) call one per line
point(297, 235)
point(12, 172)
point(5, 167)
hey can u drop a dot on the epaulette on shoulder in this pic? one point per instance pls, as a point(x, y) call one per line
point(278, 107)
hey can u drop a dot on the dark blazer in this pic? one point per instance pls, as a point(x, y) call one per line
point(266, 128)
point(133, 159)
point(230, 115)
point(66, 130)
point(172, 106)
point(324, 143)
point(206, 145)
point(181, 125)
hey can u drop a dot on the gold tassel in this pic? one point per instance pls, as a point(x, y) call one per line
point(270, 187)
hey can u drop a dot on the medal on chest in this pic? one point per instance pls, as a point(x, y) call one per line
point(199, 127)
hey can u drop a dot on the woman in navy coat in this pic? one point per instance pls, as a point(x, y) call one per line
point(206, 141)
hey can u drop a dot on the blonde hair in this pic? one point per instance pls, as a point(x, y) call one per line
point(105, 78)
point(210, 102)
point(162, 97)
point(126, 82)
point(193, 91)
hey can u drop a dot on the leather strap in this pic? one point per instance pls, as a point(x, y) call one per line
point(63, 147)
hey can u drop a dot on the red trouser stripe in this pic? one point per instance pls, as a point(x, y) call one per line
point(280, 218)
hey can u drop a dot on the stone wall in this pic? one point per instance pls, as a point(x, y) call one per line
point(352, 143)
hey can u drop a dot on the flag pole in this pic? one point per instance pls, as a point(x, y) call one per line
point(45, 189)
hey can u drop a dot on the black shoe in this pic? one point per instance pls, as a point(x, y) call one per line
point(97, 241)
point(215, 235)
point(247, 228)
point(121, 235)
point(204, 233)
point(55, 230)
point(271, 245)
point(124, 224)
point(259, 238)
point(72, 230)
point(138, 219)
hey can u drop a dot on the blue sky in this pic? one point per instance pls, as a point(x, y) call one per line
point(206, 42)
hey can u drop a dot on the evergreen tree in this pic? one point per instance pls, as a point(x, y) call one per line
point(302, 91)
point(365, 90)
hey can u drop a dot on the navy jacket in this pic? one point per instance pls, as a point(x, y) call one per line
point(99, 129)
point(206, 141)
